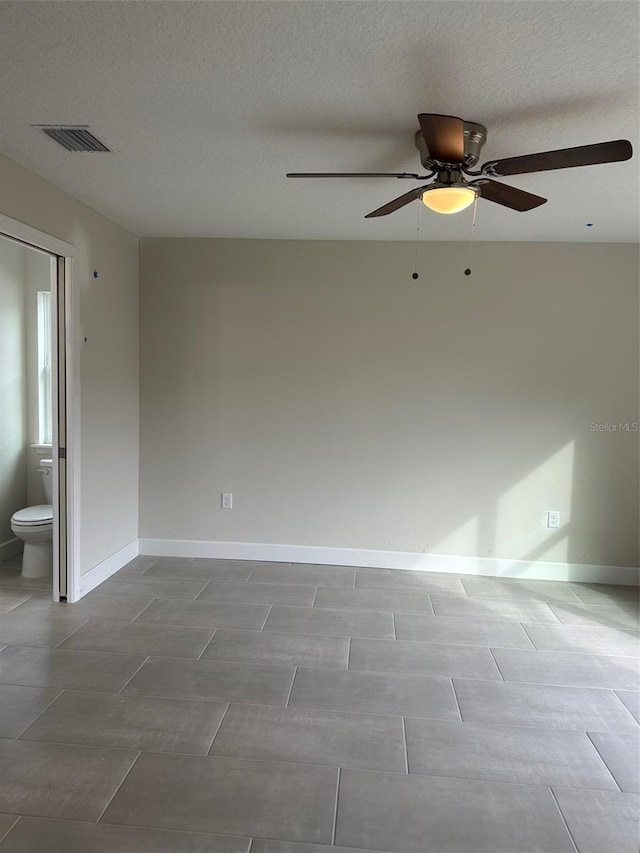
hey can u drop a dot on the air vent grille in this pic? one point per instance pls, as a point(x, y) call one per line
point(74, 138)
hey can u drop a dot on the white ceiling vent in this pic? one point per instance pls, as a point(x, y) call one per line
point(73, 137)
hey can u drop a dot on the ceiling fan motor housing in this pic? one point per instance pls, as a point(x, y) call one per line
point(475, 136)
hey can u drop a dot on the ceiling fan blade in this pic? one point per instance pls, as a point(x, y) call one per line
point(444, 136)
point(564, 158)
point(354, 175)
point(397, 203)
point(508, 196)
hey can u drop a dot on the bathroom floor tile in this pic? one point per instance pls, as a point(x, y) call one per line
point(316, 737)
point(492, 608)
point(593, 640)
point(577, 670)
point(138, 638)
point(412, 814)
point(423, 659)
point(153, 587)
point(19, 706)
point(258, 593)
point(328, 576)
point(11, 576)
point(553, 707)
point(10, 598)
point(201, 570)
point(96, 605)
point(600, 821)
point(280, 649)
point(73, 670)
point(137, 567)
point(382, 600)
point(464, 632)
point(131, 722)
point(221, 681)
point(621, 754)
point(406, 579)
point(374, 693)
point(259, 798)
point(51, 780)
point(522, 755)
point(34, 835)
point(215, 614)
point(335, 623)
point(36, 629)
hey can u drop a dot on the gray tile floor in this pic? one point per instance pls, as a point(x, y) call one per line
point(204, 706)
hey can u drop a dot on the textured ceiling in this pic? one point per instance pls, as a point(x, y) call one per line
point(208, 104)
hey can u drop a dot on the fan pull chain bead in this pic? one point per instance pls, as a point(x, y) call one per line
point(415, 275)
point(473, 233)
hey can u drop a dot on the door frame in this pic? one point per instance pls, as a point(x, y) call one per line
point(62, 255)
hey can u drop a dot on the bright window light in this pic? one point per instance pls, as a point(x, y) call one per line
point(45, 431)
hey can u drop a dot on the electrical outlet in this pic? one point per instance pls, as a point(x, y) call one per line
point(553, 518)
point(227, 500)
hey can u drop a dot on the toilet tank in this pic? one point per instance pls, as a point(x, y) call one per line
point(46, 472)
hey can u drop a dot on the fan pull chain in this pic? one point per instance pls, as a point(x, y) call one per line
point(415, 261)
point(473, 233)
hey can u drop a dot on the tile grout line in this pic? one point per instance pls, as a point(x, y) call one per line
point(529, 640)
point(524, 628)
point(601, 757)
point(496, 663)
point(207, 644)
point(406, 748)
point(455, 696)
point(197, 598)
point(142, 611)
point(335, 812)
point(295, 672)
point(4, 834)
point(130, 679)
point(111, 798)
point(64, 640)
point(215, 734)
point(618, 699)
point(266, 617)
point(27, 727)
point(562, 817)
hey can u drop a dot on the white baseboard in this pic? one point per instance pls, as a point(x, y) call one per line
point(10, 548)
point(98, 574)
point(488, 566)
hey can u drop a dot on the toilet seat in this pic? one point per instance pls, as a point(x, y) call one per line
point(33, 516)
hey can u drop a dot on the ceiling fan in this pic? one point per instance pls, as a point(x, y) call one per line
point(449, 147)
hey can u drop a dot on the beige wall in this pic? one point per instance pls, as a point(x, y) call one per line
point(345, 405)
point(13, 386)
point(109, 359)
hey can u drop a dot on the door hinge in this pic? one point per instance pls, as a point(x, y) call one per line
point(62, 453)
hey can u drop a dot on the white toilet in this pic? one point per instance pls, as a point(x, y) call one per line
point(34, 525)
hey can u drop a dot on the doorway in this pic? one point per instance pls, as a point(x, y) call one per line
point(49, 410)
